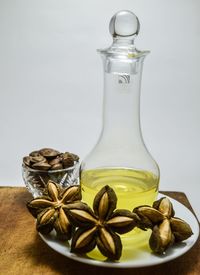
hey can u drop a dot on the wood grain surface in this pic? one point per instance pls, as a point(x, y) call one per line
point(23, 252)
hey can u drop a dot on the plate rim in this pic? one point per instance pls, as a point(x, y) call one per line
point(129, 263)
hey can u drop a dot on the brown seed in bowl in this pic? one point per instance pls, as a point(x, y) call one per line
point(44, 166)
point(49, 153)
point(57, 166)
point(55, 161)
point(27, 161)
point(34, 154)
point(38, 159)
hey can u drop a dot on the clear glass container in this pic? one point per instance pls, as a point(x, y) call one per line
point(36, 180)
point(120, 158)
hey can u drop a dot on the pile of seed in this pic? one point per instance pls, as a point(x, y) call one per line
point(50, 159)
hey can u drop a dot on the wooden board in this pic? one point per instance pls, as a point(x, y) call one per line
point(23, 252)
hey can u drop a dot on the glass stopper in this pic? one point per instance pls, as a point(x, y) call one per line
point(123, 24)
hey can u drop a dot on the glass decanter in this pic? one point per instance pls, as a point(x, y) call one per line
point(120, 158)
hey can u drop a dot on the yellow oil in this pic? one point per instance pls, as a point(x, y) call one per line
point(133, 188)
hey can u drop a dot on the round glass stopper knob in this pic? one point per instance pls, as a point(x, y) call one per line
point(124, 23)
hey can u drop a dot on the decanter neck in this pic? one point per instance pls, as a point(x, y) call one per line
point(121, 107)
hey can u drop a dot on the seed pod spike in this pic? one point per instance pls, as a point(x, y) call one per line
point(105, 200)
point(83, 240)
point(53, 190)
point(181, 229)
point(165, 206)
point(161, 237)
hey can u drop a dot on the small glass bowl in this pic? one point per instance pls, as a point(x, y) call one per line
point(36, 180)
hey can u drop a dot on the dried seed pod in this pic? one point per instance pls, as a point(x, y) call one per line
point(49, 210)
point(49, 153)
point(165, 206)
point(161, 237)
point(180, 229)
point(100, 227)
point(44, 166)
point(166, 229)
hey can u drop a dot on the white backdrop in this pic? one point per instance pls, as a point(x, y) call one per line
point(51, 82)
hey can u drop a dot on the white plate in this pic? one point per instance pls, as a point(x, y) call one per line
point(141, 257)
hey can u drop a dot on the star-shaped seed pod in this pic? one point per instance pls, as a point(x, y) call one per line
point(99, 227)
point(49, 209)
point(166, 229)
